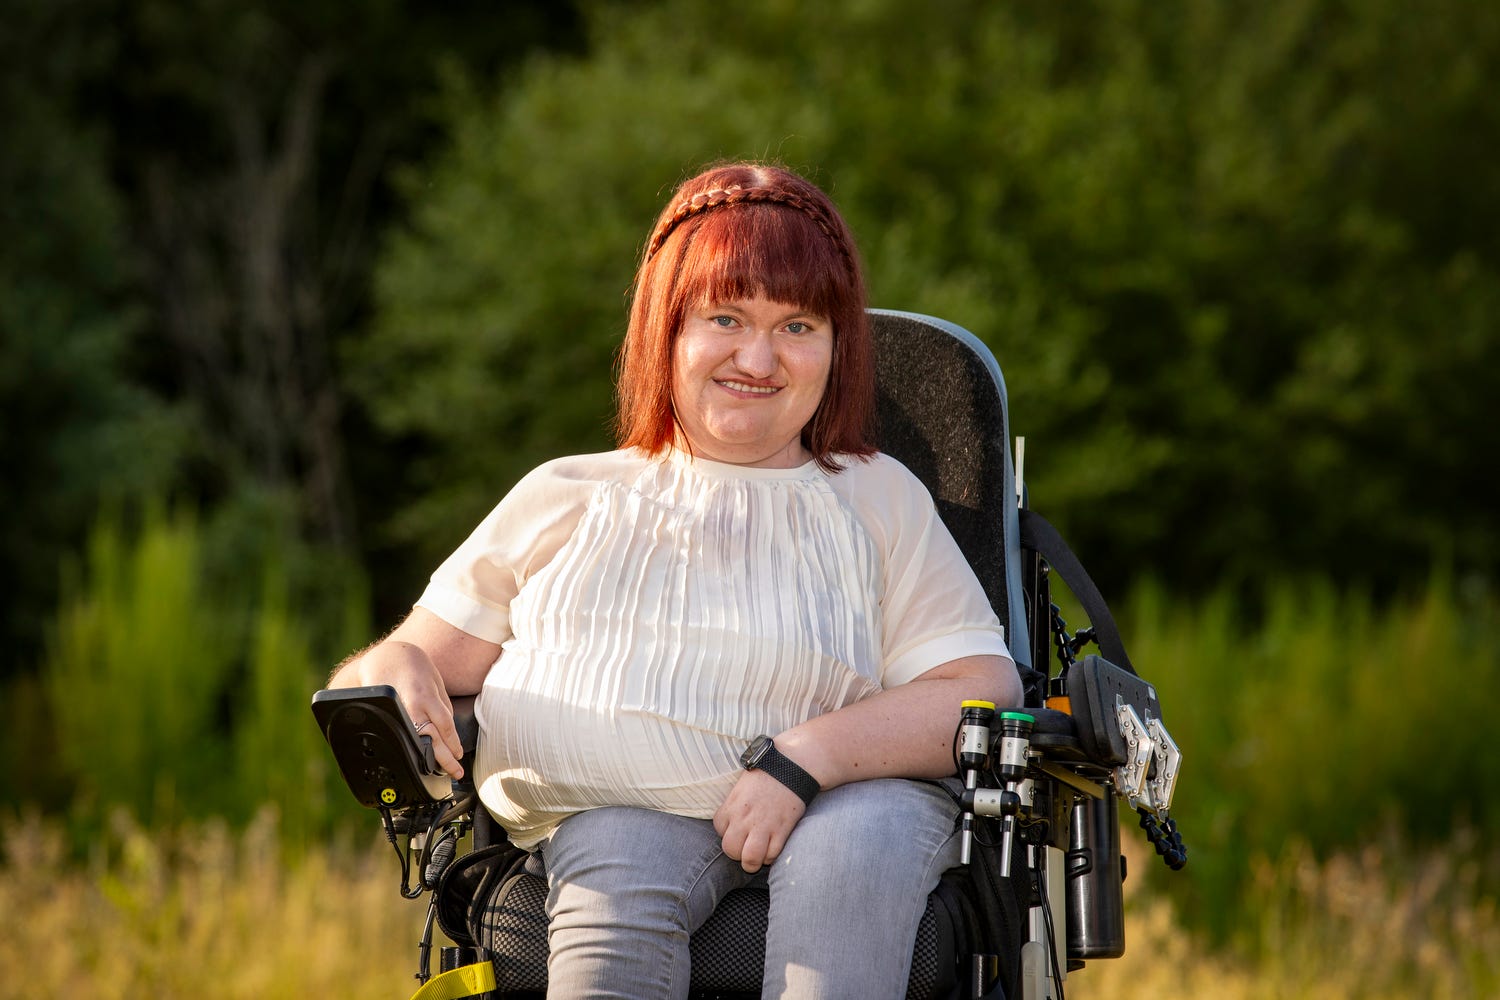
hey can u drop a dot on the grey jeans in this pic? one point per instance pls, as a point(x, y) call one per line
point(627, 887)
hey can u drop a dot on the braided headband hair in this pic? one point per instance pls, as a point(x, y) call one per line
point(736, 194)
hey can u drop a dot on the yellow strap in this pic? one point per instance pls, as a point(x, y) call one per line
point(464, 981)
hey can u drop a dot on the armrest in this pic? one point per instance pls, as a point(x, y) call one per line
point(1056, 733)
point(467, 723)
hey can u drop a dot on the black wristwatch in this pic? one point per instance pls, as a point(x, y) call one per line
point(762, 755)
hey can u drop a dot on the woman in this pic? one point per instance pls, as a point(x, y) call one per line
point(719, 653)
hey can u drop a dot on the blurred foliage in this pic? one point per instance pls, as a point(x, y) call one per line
point(1324, 722)
point(177, 696)
point(136, 669)
point(1230, 257)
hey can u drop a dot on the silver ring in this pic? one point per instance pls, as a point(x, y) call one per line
point(423, 726)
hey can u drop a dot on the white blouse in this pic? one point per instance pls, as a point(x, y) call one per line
point(657, 614)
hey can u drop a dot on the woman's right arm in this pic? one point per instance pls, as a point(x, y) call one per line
point(426, 660)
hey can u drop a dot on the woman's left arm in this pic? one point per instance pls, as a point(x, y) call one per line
point(902, 732)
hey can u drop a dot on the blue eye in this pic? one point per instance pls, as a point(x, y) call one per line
point(724, 321)
point(796, 328)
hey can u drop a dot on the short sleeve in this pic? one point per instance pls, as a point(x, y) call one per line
point(933, 608)
point(474, 586)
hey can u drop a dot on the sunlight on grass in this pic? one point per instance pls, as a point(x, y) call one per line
point(201, 913)
point(1380, 921)
point(205, 912)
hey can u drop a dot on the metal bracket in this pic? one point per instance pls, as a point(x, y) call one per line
point(1168, 762)
point(1077, 782)
point(1130, 777)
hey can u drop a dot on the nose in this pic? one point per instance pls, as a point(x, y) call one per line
point(756, 354)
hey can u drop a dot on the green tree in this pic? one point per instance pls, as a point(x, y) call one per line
point(255, 146)
point(79, 425)
point(189, 196)
point(1230, 258)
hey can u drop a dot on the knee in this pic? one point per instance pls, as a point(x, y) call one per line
point(899, 831)
point(628, 866)
point(626, 888)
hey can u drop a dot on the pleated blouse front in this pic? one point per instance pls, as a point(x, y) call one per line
point(688, 607)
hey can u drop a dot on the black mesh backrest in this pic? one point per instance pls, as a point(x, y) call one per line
point(942, 413)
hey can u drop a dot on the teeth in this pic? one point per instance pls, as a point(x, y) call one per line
point(761, 390)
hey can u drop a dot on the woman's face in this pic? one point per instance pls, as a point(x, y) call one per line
point(747, 376)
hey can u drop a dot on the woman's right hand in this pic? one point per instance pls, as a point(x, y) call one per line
point(407, 668)
point(426, 660)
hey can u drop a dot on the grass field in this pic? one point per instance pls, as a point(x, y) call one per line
point(210, 913)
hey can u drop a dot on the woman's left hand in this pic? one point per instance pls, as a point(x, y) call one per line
point(757, 818)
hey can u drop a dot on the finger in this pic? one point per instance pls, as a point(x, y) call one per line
point(449, 749)
point(777, 845)
point(448, 730)
point(753, 852)
point(443, 756)
point(433, 707)
point(732, 840)
point(446, 746)
point(440, 751)
point(731, 808)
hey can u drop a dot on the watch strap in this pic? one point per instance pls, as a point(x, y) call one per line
point(789, 773)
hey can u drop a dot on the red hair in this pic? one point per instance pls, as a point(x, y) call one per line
point(737, 231)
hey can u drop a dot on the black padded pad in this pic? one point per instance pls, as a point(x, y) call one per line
point(941, 412)
point(467, 723)
point(728, 952)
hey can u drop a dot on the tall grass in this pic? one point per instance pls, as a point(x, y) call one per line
point(1385, 920)
point(200, 912)
point(1322, 721)
point(203, 911)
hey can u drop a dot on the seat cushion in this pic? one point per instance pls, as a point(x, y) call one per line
point(728, 952)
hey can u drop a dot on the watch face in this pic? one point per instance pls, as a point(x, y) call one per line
point(755, 751)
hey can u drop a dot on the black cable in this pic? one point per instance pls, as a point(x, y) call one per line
point(430, 839)
point(404, 857)
point(979, 823)
point(1052, 942)
point(957, 735)
point(413, 820)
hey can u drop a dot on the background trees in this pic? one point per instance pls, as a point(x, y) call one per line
point(1229, 258)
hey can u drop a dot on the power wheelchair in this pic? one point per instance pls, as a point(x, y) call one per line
point(1039, 891)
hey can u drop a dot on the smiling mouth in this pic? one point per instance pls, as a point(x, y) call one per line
point(758, 390)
